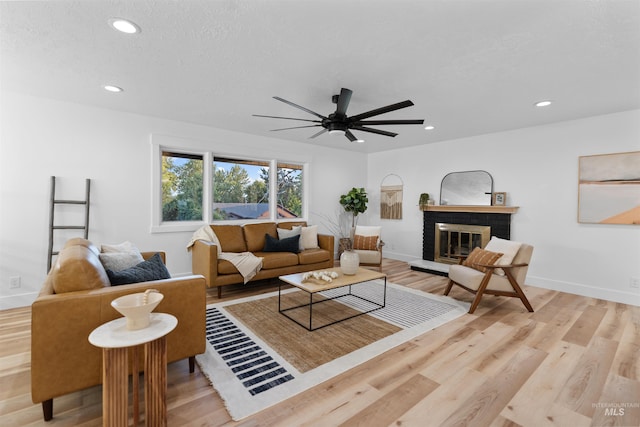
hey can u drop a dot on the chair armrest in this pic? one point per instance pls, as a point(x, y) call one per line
point(326, 242)
point(204, 260)
point(494, 266)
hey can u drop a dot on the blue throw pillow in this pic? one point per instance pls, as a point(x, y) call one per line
point(151, 269)
point(290, 244)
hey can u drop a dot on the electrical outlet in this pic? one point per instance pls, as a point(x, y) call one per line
point(14, 282)
point(634, 282)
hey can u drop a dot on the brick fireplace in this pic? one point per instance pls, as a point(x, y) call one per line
point(474, 221)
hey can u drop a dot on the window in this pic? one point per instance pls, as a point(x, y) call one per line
point(182, 185)
point(240, 189)
point(196, 187)
point(289, 190)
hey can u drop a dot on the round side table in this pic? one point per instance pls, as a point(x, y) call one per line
point(115, 340)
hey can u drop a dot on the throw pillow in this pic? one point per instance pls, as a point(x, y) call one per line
point(289, 244)
point(118, 261)
point(508, 248)
point(481, 256)
point(120, 247)
point(309, 237)
point(365, 243)
point(283, 233)
point(151, 269)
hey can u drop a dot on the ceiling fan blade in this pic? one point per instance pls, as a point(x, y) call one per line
point(298, 106)
point(351, 137)
point(287, 118)
point(343, 101)
point(295, 127)
point(378, 131)
point(388, 122)
point(318, 134)
point(382, 110)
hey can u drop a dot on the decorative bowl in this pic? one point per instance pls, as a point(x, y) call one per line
point(137, 308)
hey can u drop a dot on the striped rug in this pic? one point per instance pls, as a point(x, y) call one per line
point(250, 375)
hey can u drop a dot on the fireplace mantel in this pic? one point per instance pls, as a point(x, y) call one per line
point(471, 208)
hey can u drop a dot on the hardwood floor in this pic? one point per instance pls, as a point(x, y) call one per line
point(575, 361)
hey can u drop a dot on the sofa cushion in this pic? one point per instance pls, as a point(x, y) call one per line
point(151, 269)
point(283, 233)
point(312, 256)
point(231, 238)
point(309, 237)
point(254, 235)
point(480, 256)
point(271, 260)
point(509, 249)
point(77, 268)
point(289, 244)
point(119, 247)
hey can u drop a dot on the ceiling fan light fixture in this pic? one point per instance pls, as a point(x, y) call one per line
point(336, 128)
point(124, 25)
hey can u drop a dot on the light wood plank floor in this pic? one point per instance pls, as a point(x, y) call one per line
point(574, 362)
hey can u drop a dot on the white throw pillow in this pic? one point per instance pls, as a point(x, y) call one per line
point(309, 237)
point(120, 247)
point(508, 248)
point(118, 261)
point(284, 233)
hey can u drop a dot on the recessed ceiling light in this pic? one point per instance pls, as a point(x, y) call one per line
point(543, 103)
point(429, 127)
point(124, 25)
point(360, 141)
point(111, 88)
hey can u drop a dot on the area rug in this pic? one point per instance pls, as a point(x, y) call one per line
point(256, 357)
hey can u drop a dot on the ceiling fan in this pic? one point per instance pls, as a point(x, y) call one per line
point(339, 122)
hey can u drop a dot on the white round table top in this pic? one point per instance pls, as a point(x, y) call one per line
point(114, 334)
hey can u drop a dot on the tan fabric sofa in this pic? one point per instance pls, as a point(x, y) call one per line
point(251, 238)
point(62, 359)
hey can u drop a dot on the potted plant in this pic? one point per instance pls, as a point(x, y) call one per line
point(354, 202)
point(424, 200)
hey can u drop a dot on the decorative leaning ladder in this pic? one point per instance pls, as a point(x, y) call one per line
point(52, 224)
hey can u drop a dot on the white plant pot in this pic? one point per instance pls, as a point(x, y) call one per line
point(349, 262)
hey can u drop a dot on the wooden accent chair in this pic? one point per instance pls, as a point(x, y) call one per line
point(368, 244)
point(494, 278)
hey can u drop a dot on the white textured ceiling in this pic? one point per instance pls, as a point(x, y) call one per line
point(470, 66)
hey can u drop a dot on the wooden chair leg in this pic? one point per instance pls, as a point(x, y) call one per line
point(449, 286)
point(480, 292)
point(47, 409)
point(192, 364)
point(518, 290)
point(219, 292)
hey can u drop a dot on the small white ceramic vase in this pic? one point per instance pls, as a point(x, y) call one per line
point(349, 262)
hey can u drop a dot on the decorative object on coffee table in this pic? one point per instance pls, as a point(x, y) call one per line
point(349, 262)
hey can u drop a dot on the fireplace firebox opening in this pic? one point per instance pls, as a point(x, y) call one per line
point(453, 240)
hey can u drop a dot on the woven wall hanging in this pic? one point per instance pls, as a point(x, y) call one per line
point(391, 199)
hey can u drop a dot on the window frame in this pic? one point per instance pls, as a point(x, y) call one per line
point(160, 226)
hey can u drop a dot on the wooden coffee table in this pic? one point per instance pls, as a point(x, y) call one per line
point(315, 286)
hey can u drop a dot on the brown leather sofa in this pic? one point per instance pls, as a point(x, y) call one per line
point(251, 238)
point(62, 359)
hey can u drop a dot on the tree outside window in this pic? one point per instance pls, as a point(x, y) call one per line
point(182, 185)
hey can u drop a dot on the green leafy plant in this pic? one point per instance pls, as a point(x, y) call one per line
point(354, 202)
point(424, 199)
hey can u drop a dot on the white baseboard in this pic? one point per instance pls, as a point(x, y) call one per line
point(585, 290)
point(15, 301)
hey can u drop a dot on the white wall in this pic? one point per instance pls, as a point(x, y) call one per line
point(40, 138)
point(538, 168)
